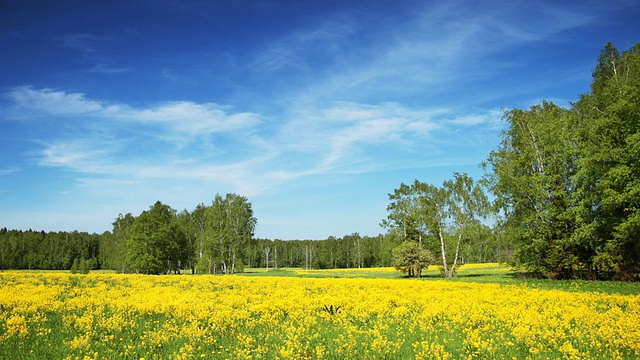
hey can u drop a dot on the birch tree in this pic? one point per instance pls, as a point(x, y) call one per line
point(532, 180)
point(229, 226)
point(438, 212)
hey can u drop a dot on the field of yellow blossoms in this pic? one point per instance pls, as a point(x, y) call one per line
point(47, 315)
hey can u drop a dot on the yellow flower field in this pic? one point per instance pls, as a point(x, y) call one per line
point(110, 316)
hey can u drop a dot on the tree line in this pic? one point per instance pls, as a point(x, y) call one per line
point(59, 251)
point(216, 238)
point(53, 250)
point(210, 239)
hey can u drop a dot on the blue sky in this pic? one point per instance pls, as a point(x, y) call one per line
point(313, 110)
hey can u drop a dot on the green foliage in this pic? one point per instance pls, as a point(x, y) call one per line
point(403, 213)
point(114, 245)
point(331, 310)
point(568, 180)
point(608, 180)
point(154, 240)
point(74, 266)
point(227, 228)
point(189, 245)
point(40, 250)
point(410, 258)
point(84, 266)
point(532, 182)
point(81, 266)
point(442, 216)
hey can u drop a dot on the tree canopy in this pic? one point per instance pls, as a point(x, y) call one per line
point(439, 215)
point(411, 258)
point(568, 180)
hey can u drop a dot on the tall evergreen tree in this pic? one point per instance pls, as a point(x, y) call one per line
point(568, 180)
point(608, 180)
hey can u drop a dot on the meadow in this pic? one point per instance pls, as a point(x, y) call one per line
point(486, 312)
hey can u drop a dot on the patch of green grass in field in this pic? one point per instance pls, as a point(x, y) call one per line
point(606, 287)
point(364, 273)
point(492, 273)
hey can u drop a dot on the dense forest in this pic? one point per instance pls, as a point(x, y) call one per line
point(567, 181)
point(565, 186)
point(58, 250)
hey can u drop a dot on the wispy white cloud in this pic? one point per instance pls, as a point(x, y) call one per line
point(86, 43)
point(29, 101)
point(442, 48)
point(179, 117)
point(488, 118)
point(101, 169)
point(348, 137)
point(186, 117)
point(338, 123)
point(108, 67)
point(343, 137)
point(93, 50)
point(77, 154)
point(9, 170)
point(304, 49)
point(130, 143)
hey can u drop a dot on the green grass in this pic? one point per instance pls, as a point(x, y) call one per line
point(485, 273)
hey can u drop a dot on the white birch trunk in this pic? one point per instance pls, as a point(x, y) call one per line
point(444, 253)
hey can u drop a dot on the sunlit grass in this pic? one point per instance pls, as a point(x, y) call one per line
point(493, 273)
